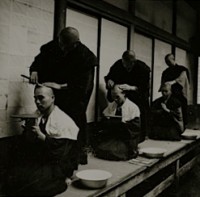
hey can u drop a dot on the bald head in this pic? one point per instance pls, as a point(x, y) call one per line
point(44, 89)
point(44, 98)
point(118, 95)
point(128, 55)
point(128, 60)
point(67, 37)
point(166, 90)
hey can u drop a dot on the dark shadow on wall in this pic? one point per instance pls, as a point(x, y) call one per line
point(102, 101)
point(193, 117)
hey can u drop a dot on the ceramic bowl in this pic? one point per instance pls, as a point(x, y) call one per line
point(153, 152)
point(94, 178)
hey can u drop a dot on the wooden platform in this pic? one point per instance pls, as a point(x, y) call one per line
point(129, 175)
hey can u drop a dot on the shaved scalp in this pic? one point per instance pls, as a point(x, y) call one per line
point(168, 55)
point(45, 89)
point(129, 55)
point(69, 34)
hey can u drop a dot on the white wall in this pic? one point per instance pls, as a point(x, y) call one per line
point(183, 58)
point(113, 44)
point(142, 46)
point(161, 49)
point(24, 26)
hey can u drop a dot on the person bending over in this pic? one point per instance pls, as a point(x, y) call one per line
point(133, 76)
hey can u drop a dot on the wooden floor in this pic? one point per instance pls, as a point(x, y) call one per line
point(130, 178)
point(151, 178)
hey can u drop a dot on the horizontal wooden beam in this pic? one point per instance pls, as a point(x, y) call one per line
point(108, 11)
point(151, 30)
point(103, 9)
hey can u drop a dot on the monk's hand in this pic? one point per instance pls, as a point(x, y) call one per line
point(34, 77)
point(163, 105)
point(68, 181)
point(38, 132)
point(126, 87)
point(171, 82)
point(52, 85)
point(110, 83)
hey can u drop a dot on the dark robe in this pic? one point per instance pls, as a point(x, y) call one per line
point(37, 168)
point(76, 68)
point(140, 77)
point(164, 125)
point(173, 72)
point(117, 140)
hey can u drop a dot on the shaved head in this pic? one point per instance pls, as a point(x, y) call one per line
point(166, 90)
point(128, 60)
point(45, 89)
point(128, 55)
point(118, 95)
point(44, 98)
point(69, 33)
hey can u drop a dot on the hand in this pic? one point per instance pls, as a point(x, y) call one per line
point(52, 85)
point(171, 82)
point(34, 77)
point(128, 87)
point(163, 105)
point(110, 83)
point(37, 131)
point(68, 181)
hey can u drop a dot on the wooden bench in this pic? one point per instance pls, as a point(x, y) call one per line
point(128, 175)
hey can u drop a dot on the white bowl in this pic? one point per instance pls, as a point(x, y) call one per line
point(153, 152)
point(94, 178)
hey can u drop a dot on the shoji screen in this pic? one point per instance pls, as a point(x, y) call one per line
point(88, 28)
point(198, 82)
point(113, 44)
point(181, 57)
point(161, 49)
point(143, 49)
point(184, 59)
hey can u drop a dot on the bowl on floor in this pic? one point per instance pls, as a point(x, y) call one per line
point(94, 178)
point(153, 152)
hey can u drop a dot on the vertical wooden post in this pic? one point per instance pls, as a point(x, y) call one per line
point(176, 177)
point(60, 7)
point(174, 23)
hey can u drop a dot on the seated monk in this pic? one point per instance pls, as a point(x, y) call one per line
point(43, 165)
point(120, 128)
point(166, 116)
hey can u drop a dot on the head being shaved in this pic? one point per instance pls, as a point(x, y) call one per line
point(116, 89)
point(166, 90)
point(118, 95)
point(44, 99)
point(45, 89)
